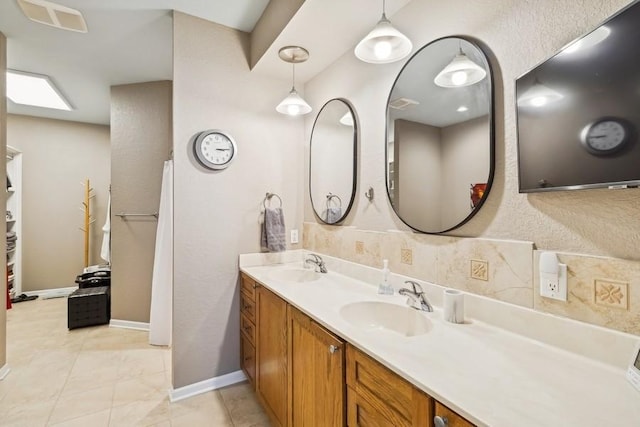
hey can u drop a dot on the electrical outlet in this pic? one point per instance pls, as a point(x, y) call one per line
point(294, 236)
point(554, 286)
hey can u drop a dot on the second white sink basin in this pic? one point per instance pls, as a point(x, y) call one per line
point(402, 320)
point(294, 275)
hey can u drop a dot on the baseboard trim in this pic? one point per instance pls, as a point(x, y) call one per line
point(206, 385)
point(128, 324)
point(44, 292)
point(4, 371)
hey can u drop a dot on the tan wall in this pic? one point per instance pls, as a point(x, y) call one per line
point(519, 36)
point(141, 117)
point(3, 177)
point(216, 213)
point(58, 156)
point(598, 231)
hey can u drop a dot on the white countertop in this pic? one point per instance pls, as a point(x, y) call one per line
point(487, 374)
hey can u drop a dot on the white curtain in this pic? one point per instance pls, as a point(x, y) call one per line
point(162, 281)
point(105, 251)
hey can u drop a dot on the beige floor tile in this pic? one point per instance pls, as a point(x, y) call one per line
point(25, 414)
point(140, 413)
point(99, 376)
point(99, 419)
point(80, 404)
point(146, 387)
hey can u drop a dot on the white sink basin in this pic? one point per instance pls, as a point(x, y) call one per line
point(402, 320)
point(295, 275)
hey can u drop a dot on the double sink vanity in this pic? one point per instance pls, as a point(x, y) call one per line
point(326, 349)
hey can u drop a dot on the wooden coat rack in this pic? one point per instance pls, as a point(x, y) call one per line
point(88, 219)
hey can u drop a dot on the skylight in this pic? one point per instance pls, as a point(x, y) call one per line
point(34, 89)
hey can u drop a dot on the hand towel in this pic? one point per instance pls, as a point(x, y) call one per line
point(273, 232)
point(333, 215)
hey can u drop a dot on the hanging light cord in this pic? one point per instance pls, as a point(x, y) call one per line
point(293, 73)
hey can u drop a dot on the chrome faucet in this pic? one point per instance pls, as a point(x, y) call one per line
point(417, 299)
point(318, 262)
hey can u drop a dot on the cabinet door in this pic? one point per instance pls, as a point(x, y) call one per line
point(248, 353)
point(316, 372)
point(449, 418)
point(271, 348)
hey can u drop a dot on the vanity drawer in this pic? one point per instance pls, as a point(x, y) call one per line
point(248, 328)
point(448, 417)
point(247, 307)
point(248, 354)
point(377, 390)
point(248, 286)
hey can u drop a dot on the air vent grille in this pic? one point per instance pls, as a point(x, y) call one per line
point(402, 103)
point(53, 14)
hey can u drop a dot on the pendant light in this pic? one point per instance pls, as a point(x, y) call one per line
point(293, 104)
point(539, 95)
point(460, 72)
point(384, 44)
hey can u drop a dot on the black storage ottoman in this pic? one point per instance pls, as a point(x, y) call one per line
point(88, 307)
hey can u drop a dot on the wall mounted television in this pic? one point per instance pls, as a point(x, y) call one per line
point(578, 112)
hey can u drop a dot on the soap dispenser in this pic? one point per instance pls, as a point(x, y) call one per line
point(385, 287)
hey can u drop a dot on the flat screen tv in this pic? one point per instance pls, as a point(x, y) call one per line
point(578, 112)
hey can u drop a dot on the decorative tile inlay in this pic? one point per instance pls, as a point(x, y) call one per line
point(406, 256)
point(611, 293)
point(359, 247)
point(479, 269)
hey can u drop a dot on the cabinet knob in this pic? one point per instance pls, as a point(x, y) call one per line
point(333, 349)
point(440, 421)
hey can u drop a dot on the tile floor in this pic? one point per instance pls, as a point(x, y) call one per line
point(100, 376)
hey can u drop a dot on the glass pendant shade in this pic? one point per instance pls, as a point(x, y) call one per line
point(384, 44)
point(539, 95)
point(460, 72)
point(293, 105)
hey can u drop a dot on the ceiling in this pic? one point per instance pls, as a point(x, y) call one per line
point(131, 42)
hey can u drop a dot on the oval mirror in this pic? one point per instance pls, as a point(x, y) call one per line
point(440, 144)
point(332, 161)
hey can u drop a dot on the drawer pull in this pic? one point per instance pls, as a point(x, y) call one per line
point(246, 307)
point(440, 421)
point(333, 349)
point(248, 358)
point(247, 328)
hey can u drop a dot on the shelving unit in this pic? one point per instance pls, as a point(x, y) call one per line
point(14, 221)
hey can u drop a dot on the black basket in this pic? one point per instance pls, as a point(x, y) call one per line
point(88, 307)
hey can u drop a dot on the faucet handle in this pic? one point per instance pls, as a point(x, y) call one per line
point(417, 288)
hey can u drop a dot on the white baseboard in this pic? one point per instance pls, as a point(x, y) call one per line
point(44, 292)
point(128, 324)
point(4, 371)
point(206, 385)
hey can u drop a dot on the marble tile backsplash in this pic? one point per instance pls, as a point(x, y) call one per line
point(601, 291)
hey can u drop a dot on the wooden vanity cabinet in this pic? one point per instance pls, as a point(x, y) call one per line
point(248, 327)
point(448, 417)
point(377, 396)
point(317, 370)
point(272, 355)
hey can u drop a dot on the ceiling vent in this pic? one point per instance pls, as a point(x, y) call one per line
point(54, 15)
point(402, 103)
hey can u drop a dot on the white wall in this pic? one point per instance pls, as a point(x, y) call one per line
point(216, 213)
point(58, 156)
point(518, 35)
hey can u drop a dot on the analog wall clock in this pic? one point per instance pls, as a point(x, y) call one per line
point(214, 149)
point(606, 136)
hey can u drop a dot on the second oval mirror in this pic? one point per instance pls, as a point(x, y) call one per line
point(332, 162)
point(440, 146)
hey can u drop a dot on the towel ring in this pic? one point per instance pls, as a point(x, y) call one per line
point(268, 197)
point(331, 196)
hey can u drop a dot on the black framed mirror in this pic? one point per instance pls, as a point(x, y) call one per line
point(332, 161)
point(440, 151)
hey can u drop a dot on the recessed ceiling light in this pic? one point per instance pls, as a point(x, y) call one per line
point(462, 109)
point(55, 15)
point(34, 89)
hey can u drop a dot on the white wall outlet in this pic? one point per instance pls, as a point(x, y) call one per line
point(553, 277)
point(294, 236)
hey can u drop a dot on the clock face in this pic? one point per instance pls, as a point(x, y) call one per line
point(605, 136)
point(214, 149)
